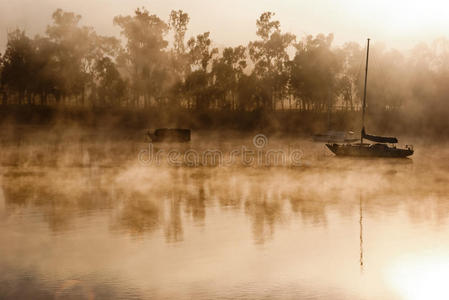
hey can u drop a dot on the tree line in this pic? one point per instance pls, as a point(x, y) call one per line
point(154, 65)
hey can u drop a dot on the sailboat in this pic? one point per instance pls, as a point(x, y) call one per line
point(382, 146)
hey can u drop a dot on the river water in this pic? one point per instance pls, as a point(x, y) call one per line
point(82, 217)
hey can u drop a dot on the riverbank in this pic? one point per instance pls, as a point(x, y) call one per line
point(283, 122)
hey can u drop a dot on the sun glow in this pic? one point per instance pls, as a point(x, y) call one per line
point(417, 16)
point(420, 277)
point(398, 23)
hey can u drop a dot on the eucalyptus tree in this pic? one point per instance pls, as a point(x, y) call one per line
point(48, 79)
point(350, 82)
point(75, 48)
point(314, 72)
point(198, 84)
point(200, 52)
point(29, 67)
point(17, 63)
point(179, 61)
point(270, 57)
point(178, 22)
point(423, 68)
point(144, 56)
point(2, 86)
point(227, 71)
point(439, 64)
point(110, 88)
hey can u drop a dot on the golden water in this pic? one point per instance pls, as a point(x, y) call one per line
point(81, 218)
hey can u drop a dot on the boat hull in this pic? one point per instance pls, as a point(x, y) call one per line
point(369, 150)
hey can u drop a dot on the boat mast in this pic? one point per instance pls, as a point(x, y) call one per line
point(364, 93)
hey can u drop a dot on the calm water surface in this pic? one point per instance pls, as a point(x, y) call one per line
point(81, 218)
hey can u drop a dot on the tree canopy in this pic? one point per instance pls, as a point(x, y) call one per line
point(154, 65)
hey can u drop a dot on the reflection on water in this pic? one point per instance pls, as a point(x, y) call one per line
point(80, 218)
point(361, 235)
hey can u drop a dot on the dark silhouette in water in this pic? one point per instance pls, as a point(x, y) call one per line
point(170, 135)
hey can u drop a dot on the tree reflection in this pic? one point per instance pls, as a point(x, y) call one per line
point(139, 215)
point(57, 194)
point(147, 200)
point(264, 214)
point(312, 210)
point(173, 228)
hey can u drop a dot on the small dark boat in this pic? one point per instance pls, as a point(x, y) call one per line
point(170, 135)
point(332, 136)
point(381, 148)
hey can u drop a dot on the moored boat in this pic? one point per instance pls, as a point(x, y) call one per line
point(382, 147)
point(370, 150)
point(170, 135)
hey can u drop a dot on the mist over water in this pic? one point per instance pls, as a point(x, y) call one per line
point(82, 218)
point(249, 207)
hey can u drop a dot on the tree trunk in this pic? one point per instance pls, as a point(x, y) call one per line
point(145, 100)
point(29, 98)
point(351, 102)
point(21, 96)
point(135, 97)
point(58, 98)
point(44, 98)
point(83, 96)
point(4, 98)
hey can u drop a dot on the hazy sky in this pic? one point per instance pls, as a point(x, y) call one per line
point(397, 23)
